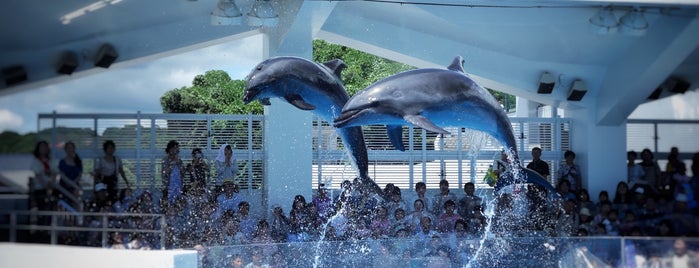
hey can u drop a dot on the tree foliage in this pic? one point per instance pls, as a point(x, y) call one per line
point(363, 68)
point(213, 92)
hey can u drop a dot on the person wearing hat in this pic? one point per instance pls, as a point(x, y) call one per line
point(229, 199)
point(100, 201)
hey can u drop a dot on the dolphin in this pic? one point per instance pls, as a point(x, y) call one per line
point(430, 98)
point(314, 87)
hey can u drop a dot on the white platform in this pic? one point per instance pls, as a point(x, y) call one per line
point(35, 255)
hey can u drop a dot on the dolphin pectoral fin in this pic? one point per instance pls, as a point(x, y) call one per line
point(395, 134)
point(297, 101)
point(336, 65)
point(265, 101)
point(424, 123)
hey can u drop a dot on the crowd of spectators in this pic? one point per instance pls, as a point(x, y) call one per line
point(204, 215)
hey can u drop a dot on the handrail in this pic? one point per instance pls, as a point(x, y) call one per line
point(13, 226)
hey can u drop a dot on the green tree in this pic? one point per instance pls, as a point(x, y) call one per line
point(214, 92)
point(362, 68)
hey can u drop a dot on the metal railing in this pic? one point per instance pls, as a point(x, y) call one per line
point(67, 221)
point(141, 140)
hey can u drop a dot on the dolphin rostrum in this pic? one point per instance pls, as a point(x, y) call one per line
point(308, 85)
point(430, 98)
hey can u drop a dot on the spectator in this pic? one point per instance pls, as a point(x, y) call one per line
point(237, 261)
point(198, 169)
point(107, 170)
point(563, 189)
point(651, 170)
point(323, 203)
point(442, 197)
point(538, 165)
point(584, 200)
point(124, 202)
point(299, 220)
point(469, 202)
point(396, 201)
point(71, 169)
point(41, 184)
point(257, 259)
point(622, 197)
point(247, 223)
point(415, 218)
point(279, 224)
point(229, 199)
point(635, 172)
point(446, 221)
point(226, 165)
point(420, 189)
point(173, 172)
point(570, 171)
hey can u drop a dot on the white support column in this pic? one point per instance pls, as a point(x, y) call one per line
point(288, 131)
point(600, 152)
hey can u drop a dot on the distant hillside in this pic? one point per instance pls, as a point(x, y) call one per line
point(13, 142)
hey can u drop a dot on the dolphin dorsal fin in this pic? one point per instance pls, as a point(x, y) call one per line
point(336, 65)
point(457, 64)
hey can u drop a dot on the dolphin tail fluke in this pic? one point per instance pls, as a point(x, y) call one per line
point(395, 134)
point(297, 100)
point(424, 123)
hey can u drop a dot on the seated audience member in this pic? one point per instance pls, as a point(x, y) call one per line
point(247, 223)
point(279, 224)
point(229, 199)
point(420, 189)
point(446, 221)
point(323, 203)
point(538, 165)
point(469, 202)
point(443, 195)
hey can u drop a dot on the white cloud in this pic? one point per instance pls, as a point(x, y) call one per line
point(9, 120)
point(128, 89)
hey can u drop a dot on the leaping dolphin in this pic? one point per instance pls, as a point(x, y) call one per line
point(430, 98)
point(308, 85)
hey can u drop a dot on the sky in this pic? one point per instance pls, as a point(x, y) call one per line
point(139, 87)
point(127, 89)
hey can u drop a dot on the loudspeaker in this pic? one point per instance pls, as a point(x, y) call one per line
point(546, 83)
point(106, 55)
point(577, 90)
point(677, 85)
point(14, 74)
point(68, 63)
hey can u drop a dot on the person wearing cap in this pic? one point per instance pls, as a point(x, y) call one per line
point(100, 201)
point(229, 199)
point(585, 219)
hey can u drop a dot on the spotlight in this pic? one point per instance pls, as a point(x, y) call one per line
point(14, 74)
point(226, 13)
point(262, 14)
point(577, 90)
point(68, 63)
point(546, 83)
point(604, 21)
point(633, 23)
point(105, 56)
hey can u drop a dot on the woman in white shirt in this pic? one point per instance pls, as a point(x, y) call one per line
point(45, 173)
point(226, 166)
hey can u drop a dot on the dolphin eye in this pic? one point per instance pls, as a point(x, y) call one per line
point(259, 67)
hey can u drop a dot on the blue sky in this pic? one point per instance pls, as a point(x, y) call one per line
point(139, 87)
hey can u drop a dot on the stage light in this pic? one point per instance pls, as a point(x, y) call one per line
point(262, 14)
point(604, 21)
point(633, 23)
point(226, 13)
